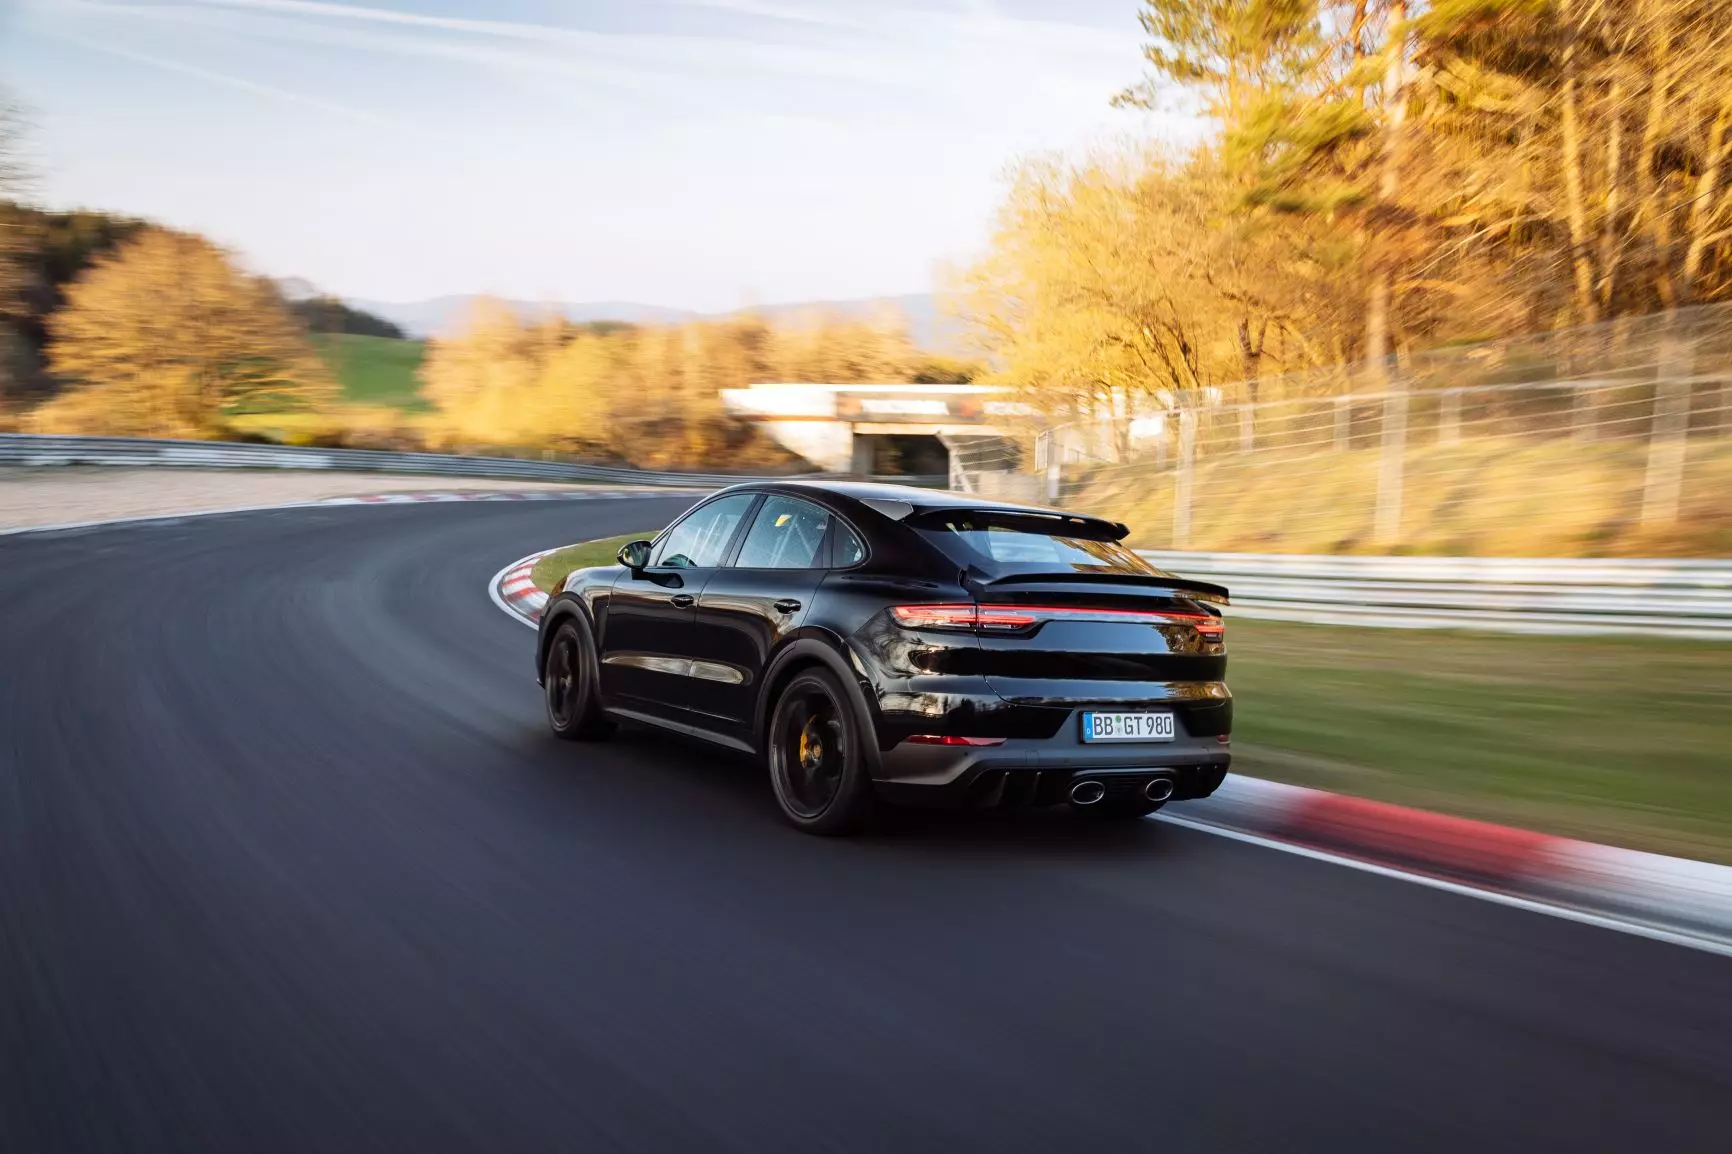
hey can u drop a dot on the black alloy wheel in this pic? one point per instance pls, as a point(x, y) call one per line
point(569, 678)
point(817, 767)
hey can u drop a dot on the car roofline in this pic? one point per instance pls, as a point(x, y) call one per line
point(917, 500)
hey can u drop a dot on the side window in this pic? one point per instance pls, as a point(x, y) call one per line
point(787, 533)
point(850, 550)
point(699, 541)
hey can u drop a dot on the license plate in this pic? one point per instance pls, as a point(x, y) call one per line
point(1128, 727)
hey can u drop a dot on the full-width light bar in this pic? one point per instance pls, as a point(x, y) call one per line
point(1013, 618)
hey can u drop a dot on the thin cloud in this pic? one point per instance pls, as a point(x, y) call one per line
point(653, 49)
point(505, 60)
point(960, 56)
point(979, 21)
point(253, 86)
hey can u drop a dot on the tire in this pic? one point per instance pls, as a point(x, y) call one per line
point(817, 757)
point(568, 675)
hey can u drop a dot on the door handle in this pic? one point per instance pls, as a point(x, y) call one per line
point(786, 605)
point(682, 600)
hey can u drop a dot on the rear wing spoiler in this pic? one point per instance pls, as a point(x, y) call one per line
point(1200, 590)
point(1052, 519)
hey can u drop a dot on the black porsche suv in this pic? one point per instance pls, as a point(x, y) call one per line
point(879, 642)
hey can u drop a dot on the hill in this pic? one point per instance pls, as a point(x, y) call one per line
point(322, 314)
point(436, 315)
point(430, 317)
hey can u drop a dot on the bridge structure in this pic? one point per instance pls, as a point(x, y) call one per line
point(934, 433)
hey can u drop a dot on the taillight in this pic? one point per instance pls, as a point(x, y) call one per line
point(947, 739)
point(936, 616)
point(1014, 618)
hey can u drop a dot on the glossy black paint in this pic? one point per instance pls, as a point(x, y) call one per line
point(744, 617)
point(649, 621)
point(705, 650)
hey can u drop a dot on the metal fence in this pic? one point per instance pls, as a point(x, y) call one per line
point(1688, 599)
point(25, 449)
point(1682, 599)
point(1614, 433)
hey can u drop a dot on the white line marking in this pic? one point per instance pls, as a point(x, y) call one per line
point(1568, 913)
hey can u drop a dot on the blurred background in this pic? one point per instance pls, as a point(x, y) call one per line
point(1410, 321)
point(1365, 278)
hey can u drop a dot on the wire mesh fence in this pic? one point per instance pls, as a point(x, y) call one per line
point(1616, 439)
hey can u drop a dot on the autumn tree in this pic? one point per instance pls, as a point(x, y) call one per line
point(1127, 283)
point(12, 179)
point(1591, 140)
point(167, 337)
point(647, 394)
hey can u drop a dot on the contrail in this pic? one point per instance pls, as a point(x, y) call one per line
point(245, 85)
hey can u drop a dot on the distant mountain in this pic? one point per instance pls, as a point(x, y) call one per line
point(431, 317)
point(930, 329)
point(926, 325)
point(296, 288)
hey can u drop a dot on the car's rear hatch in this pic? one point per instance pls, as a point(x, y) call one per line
point(1068, 616)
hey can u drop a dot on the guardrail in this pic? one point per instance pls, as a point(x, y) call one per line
point(1691, 599)
point(30, 449)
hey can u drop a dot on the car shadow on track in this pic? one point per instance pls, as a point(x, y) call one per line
point(667, 778)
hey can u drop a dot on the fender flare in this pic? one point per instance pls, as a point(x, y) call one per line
point(560, 606)
point(827, 653)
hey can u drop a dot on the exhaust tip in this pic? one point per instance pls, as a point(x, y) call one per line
point(1158, 789)
point(1087, 792)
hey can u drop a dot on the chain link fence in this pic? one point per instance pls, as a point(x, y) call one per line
point(1597, 441)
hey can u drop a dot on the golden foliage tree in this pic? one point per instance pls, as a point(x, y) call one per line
point(650, 395)
point(1124, 283)
point(1385, 175)
point(167, 337)
point(12, 180)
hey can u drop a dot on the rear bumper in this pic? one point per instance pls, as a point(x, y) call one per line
point(1040, 771)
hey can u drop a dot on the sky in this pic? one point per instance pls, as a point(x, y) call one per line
point(702, 154)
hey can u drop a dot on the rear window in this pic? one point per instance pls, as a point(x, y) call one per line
point(1008, 542)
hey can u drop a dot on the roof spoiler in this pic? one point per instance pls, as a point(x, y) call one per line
point(1201, 590)
point(1058, 519)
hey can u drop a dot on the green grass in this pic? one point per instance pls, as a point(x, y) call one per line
point(375, 370)
point(553, 568)
point(1619, 740)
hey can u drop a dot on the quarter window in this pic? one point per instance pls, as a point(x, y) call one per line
point(699, 541)
point(787, 533)
point(850, 550)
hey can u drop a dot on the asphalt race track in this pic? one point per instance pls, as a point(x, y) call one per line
point(289, 862)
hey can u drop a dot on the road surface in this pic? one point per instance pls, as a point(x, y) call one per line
point(289, 862)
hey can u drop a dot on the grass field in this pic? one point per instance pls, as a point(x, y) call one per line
point(375, 370)
point(1619, 740)
point(552, 569)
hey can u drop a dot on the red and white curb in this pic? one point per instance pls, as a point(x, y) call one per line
point(1673, 899)
point(513, 591)
point(1670, 899)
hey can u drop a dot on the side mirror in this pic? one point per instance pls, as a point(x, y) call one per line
point(634, 555)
